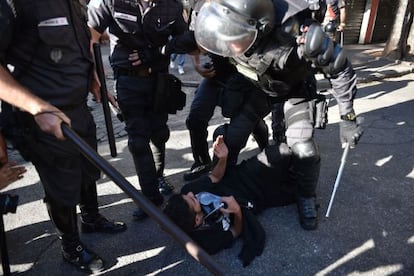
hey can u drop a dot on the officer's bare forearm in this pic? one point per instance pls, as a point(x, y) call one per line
point(15, 94)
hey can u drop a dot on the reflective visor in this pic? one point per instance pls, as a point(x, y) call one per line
point(221, 31)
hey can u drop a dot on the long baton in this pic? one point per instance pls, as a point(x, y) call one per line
point(338, 177)
point(104, 96)
point(193, 249)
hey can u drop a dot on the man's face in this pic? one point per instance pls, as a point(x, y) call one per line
point(195, 207)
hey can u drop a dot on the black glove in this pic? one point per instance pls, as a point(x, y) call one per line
point(350, 132)
point(149, 55)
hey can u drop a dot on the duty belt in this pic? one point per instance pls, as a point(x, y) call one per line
point(141, 71)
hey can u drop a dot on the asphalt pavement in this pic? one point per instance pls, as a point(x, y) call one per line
point(370, 230)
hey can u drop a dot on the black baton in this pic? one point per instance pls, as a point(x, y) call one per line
point(166, 224)
point(104, 98)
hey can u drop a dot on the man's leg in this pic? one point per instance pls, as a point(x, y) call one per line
point(135, 100)
point(202, 109)
point(305, 159)
point(91, 219)
point(65, 220)
point(247, 121)
point(159, 138)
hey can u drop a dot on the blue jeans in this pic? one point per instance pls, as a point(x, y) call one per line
point(180, 58)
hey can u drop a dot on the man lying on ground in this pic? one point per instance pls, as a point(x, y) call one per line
point(217, 208)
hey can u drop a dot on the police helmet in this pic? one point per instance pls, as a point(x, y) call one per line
point(230, 27)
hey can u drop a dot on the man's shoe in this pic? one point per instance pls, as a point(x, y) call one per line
point(139, 214)
point(196, 171)
point(181, 70)
point(82, 258)
point(101, 224)
point(308, 215)
point(172, 65)
point(164, 186)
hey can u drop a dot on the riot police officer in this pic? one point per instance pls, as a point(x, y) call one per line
point(275, 44)
point(207, 96)
point(47, 45)
point(138, 30)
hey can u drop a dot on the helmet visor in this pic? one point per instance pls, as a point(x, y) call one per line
point(221, 31)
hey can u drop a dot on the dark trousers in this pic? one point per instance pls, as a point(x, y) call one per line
point(147, 131)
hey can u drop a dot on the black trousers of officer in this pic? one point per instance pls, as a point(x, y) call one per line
point(67, 176)
point(147, 131)
point(247, 120)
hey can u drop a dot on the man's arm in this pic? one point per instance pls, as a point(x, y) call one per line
point(9, 172)
point(342, 17)
point(48, 117)
point(221, 152)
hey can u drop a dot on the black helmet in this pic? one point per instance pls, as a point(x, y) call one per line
point(230, 27)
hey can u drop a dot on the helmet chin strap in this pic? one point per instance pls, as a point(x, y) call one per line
point(264, 30)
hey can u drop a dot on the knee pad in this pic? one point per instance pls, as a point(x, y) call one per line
point(305, 150)
point(161, 136)
point(220, 130)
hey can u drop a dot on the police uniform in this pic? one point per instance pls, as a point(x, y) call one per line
point(49, 51)
point(208, 95)
point(143, 27)
point(267, 53)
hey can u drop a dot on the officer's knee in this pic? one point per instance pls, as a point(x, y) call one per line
point(305, 150)
point(220, 130)
point(195, 124)
point(138, 145)
point(161, 136)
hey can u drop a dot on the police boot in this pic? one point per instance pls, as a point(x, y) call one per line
point(73, 251)
point(158, 151)
point(91, 220)
point(164, 186)
point(202, 160)
point(305, 174)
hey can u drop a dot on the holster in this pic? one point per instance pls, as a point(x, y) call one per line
point(168, 95)
point(320, 116)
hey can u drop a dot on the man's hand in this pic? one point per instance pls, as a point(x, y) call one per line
point(232, 206)
point(96, 87)
point(50, 121)
point(144, 56)
point(205, 70)
point(96, 91)
point(9, 173)
point(350, 132)
point(134, 58)
point(220, 148)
